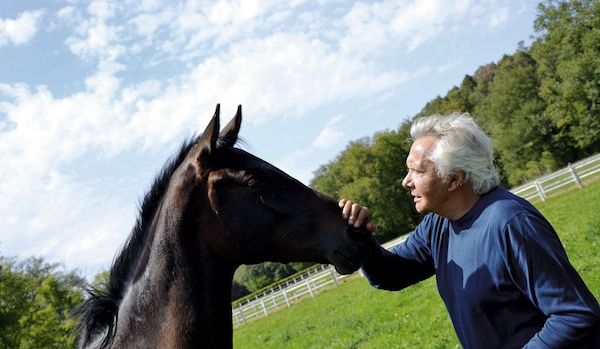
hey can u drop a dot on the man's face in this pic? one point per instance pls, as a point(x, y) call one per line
point(430, 193)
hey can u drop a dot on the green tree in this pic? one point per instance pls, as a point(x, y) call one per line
point(238, 290)
point(16, 296)
point(567, 52)
point(391, 205)
point(458, 99)
point(35, 303)
point(513, 113)
point(253, 277)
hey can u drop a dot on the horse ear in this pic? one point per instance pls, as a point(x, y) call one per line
point(208, 140)
point(229, 134)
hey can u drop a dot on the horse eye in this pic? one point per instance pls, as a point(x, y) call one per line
point(253, 182)
point(255, 179)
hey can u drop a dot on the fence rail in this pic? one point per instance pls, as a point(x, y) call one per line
point(576, 174)
point(308, 284)
point(283, 295)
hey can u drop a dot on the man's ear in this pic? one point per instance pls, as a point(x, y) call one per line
point(208, 140)
point(456, 180)
point(229, 134)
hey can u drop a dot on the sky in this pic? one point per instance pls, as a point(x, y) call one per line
point(95, 96)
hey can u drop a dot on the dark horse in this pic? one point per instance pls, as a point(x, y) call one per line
point(213, 208)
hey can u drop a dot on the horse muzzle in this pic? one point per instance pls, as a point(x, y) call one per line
point(357, 246)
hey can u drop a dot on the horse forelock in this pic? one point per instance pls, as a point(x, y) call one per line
point(98, 313)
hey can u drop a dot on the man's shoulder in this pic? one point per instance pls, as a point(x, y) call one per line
point(505, 207)
point(502, 201)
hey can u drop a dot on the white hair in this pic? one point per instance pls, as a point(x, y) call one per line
point(460, 145)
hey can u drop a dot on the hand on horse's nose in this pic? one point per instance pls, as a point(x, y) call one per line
point(357, 215)
point(364, 240)
point(357, 234)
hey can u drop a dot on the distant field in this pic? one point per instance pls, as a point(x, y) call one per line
point(354, 315)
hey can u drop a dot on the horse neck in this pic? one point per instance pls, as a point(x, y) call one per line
point(182, 300)
point(181, 296)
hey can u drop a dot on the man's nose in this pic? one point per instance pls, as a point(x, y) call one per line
point(405, 181)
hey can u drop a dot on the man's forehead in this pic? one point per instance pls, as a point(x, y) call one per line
point(422, 146)
point(419, 150)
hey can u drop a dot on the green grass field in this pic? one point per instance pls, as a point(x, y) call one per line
point(354, 315)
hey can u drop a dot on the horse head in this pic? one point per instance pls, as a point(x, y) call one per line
point(260, 212)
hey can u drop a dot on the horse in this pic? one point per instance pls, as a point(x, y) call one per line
point(212, 208)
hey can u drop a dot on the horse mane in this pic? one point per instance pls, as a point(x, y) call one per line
point(98, 313)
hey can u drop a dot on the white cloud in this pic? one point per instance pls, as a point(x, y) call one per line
point(147, 24)
point(224, 12)
point(378, 26)
point(498, 18)
point(20, 30)
point(330, 134)
point(62, 218)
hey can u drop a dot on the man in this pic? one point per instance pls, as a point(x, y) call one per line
point(500, 267)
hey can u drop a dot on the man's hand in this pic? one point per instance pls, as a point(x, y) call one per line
point(360, 219)
point(356, 215)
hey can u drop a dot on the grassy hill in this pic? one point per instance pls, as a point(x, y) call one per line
point(354, 315)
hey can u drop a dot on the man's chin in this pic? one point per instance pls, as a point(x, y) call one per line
point(422, 208)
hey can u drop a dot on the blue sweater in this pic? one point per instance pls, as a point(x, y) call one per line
point(502, 273)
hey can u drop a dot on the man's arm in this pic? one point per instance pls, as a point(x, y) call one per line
point(393, 270)
point(407, 264)
point(539, 267)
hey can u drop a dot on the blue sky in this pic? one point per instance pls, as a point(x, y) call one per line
point(96, 95)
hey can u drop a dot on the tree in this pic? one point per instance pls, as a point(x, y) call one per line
point(349, 175)
point(250, 278)
point(513, 113)
point(567, 52)
point(35, 304)
point(392, 205)
point(238, 290)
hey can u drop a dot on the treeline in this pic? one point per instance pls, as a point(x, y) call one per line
point(35, 304)
point(541, 105)
point(251, 278)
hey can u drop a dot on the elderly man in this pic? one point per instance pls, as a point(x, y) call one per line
point(499, 265)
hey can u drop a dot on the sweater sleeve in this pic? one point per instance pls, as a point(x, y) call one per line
point(539, 267)
point(407, 263)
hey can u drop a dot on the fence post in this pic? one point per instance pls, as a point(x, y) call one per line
point(242, 315)
point(287, 300)
point(273, 300)
point(262, 302)
point(575, 176)
point(334, 277)
point(309, 288)
point(540, 190)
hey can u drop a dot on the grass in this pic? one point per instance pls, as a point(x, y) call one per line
point(355, 315)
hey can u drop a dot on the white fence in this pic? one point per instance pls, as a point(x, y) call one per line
point(286, 293)
point(572, 175)
point(310, 283)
